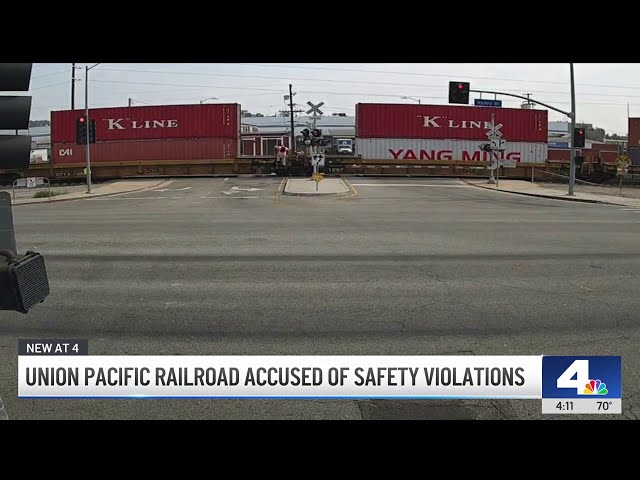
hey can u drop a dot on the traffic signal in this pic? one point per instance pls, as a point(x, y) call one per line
point(305, 133)
point(15, 150)
point(580, 135)
point(81, 130)
point(92, 131)
point(23, 281)
point(486, 147)
point(316, 133)
point(459, 92)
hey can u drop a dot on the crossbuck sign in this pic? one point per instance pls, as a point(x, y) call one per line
point(494, 131)
point(315, 109)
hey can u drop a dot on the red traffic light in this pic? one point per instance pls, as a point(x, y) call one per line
point(81, 119)
point(580, 132)
point(460, 86)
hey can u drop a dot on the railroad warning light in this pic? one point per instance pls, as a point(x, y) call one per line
point(459, 92)
point(81, 119)
point(316, 132)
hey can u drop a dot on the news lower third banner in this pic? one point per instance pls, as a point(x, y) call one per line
point(64, 369)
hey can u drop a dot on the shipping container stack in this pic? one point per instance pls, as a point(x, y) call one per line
point(167, 133)
point(404, 133)
point(634, 141)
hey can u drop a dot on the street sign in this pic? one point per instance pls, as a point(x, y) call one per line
point(481, 102)
point(498, 144)
point(623, 162)
point(315, 109)
point(317, 177)
point(32, 182)
point(317, 159)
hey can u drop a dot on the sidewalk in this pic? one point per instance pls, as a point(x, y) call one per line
point(101, 190)
point(523, 187)
point(306, 186)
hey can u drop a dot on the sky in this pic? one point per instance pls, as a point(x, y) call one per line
point(603, 91)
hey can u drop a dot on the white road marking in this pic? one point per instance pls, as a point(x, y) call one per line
point(172, 189)
point(406, 185)
point(130, 198)
point(250, 189)
point(630, 209)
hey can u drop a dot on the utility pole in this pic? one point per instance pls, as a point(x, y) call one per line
point(572, 167)
point(73, 86)
point(130, 101)
point(292, 142)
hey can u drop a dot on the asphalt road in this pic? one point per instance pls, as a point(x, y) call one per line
point(405, 266)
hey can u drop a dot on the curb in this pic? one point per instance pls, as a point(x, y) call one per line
point(313, 194)
point(54, 199)
point(537, 195)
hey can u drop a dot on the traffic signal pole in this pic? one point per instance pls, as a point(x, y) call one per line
point(86, 112)
point(572, 166)
point(571, 115)
point(292, 142)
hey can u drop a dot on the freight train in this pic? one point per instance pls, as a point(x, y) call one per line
point(390, 139)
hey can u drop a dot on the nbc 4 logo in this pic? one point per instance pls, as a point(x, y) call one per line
point(577, 376)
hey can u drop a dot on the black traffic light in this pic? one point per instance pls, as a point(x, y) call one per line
point(580, 135)
point(92, 131)
point(23, 281)
point(81, 130)
point(305, 133)
point(15, 150)
point(459, 92)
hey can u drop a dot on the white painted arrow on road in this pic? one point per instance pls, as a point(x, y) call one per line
point(235, 189)
point(252, 189)
point(172, 189)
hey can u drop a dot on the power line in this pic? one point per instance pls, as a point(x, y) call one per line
point(185, 85)
point(432, 75)
point(50, 74)
point(353, 82)
point(49, 86)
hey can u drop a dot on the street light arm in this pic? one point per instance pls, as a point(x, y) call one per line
point(568, 114)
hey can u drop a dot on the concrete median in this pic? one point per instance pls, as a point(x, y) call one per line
point(309, 187)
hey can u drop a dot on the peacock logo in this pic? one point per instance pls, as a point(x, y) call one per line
point(595, 387)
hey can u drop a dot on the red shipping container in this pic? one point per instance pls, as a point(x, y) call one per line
point(559, 155)
point(609, 157)
point(178, 150)
point(386, 120)
point(604, 147)
point(634, 132)
point(151, 122)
